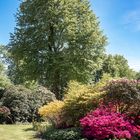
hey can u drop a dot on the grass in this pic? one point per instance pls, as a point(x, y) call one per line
point(17, 132)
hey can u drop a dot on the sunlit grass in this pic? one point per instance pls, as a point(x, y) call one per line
point(17, 132)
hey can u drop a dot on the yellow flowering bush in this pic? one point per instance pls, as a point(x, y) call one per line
point(52, 112)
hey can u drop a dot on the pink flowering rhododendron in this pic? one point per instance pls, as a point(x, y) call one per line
point(104, 122)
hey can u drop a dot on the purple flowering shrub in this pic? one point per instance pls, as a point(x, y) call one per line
point(105, 122)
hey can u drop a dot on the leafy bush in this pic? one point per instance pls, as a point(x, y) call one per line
point(80, 99)
point(52, 112)
point(16, 99)
point(23, 103)
point(104, 122)
point(41, 127)
point(39, 97)
point(125, 94)
point(64, 134)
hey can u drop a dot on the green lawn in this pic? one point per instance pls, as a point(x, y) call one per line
point(17, 132)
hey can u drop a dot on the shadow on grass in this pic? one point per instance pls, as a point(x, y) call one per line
point(37, 136)
point(29, 129)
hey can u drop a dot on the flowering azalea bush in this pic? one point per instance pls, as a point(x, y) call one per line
point(105, 122)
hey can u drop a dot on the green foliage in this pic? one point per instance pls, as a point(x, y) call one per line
point(4, 81)
point(37, 98)
point(3, 54)
point(55, 42)
point(16, 99)
point(125, 94)
point(64, 134)
point(24, 103)
point(103, 82)
point(41, 127)
point(117, 66)
point(30, 84)
point(47, 131)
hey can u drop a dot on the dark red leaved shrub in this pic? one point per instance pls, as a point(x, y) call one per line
point(125, 94)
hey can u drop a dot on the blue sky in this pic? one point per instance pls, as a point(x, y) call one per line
point(8, 9)
point(120, 20)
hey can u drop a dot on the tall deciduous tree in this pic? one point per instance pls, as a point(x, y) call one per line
point(56, 41)
point(117, 66)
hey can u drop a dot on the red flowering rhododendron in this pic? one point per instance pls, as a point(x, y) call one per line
point(104, 122)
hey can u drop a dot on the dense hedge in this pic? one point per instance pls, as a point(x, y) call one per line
point(64, 134)
point(23, 103)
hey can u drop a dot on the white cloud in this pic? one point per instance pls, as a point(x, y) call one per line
point(134, 64)
point(132, 20)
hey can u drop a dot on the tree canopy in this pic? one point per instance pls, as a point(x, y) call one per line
point(117, 66)
point(56, 41)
